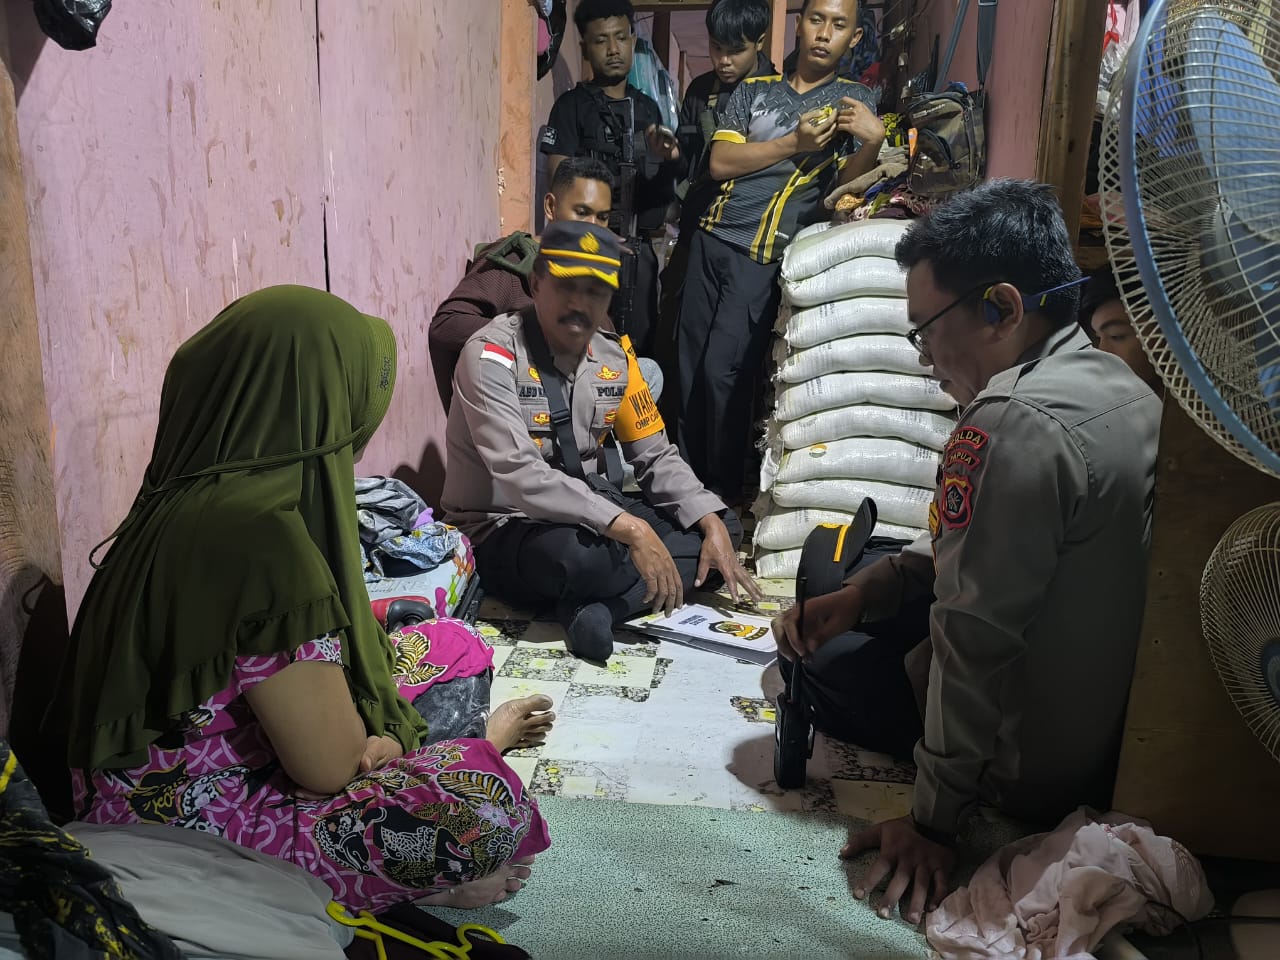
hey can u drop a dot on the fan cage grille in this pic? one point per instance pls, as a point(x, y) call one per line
point(1181, 203)
point(1240, 616)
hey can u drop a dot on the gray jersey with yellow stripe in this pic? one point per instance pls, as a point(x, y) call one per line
point(760, 212)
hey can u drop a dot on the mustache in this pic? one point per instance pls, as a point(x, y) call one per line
point(576, 316)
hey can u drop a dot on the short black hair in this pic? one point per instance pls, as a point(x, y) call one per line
point(589, 10)
point(734, 22)
point(579, 168)
point(1008, 231)
point(1100, 289)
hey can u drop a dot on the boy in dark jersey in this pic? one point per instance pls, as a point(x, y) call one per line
point(781, 145)
point(736, 31)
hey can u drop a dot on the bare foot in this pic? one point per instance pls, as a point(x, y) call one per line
point(520, 723)
point(507, 879)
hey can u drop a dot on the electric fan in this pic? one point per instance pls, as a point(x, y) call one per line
point(1190, 194)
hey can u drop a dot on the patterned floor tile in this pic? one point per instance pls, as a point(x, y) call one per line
point(500, 655)
point(543, 633)
point(502, 633)
point(872, 801)
point(523, 766)
point(579, 691)
point(512, 688)
point(621, 671)
point(816, 797)
point(539, 663)
point(575, 778)
point(491, 608)
point(627, 644)
point(706, 741)
point(854, 763)
point(756, 710)
point(527, 753)
point(778, 589)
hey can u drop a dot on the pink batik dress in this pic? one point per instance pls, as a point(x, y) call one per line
point(445, 814)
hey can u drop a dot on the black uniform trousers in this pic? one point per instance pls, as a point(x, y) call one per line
point(666, 345)
point(534, 564)
point(726, 321)
point(857, 687)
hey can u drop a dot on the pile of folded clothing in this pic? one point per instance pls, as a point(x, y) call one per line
point(406, 552)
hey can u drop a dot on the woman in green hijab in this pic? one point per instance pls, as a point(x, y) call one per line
point(226, 671)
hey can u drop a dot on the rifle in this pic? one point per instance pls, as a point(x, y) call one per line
point(623, 219)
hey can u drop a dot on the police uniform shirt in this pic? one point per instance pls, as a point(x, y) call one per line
point(584, 121)
point(1040, 532)
point(758, 213)
point(503, 461)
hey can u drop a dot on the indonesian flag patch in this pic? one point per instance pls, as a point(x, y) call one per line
point(503, 356)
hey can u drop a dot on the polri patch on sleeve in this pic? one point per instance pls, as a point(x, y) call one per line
point(958, 480)
point(957, 501)
point(548, 136)
point(503, 356)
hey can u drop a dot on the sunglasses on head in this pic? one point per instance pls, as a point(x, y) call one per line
point(1030, 303)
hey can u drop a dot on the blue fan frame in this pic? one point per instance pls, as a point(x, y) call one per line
point(1151, 280)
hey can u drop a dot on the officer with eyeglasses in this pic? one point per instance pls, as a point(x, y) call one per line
point(1035, 561)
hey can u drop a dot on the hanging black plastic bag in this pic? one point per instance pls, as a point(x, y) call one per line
point(553, 15)
point(72, 24)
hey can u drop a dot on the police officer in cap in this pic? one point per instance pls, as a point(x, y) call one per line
point(534, 477)
point(608, 119)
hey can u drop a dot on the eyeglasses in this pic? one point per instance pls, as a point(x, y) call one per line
point(1030, 303)
point(916, 334)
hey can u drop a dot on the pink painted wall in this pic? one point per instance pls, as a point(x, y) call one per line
point(168, 170)
point(409, 104)
point(1015, 80)
point(564, 75)
point(187, 160)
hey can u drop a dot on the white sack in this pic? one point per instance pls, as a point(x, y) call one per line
point(879, 352)
point(783, 528)
point(812, 326)
point(923, 427)
point(895, 503)
point(860, 277)
point(808, 256)
point(798, 400)
point(866, 458)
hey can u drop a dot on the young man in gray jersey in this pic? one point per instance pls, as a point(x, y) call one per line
point(781, 145)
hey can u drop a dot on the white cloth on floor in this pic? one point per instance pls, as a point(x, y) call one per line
point(1054, 896)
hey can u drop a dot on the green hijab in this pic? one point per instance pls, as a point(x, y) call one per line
point(243, 539)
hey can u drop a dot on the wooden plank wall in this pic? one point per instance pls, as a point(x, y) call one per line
point(1070, 92)
point(29, 541)
point(412, 179)
point(516, 149)
point(1189, 764)
point(1016, 80)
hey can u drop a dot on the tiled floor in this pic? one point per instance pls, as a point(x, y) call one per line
point(672, 725)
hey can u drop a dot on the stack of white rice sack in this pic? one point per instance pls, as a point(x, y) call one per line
point(855, 414)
